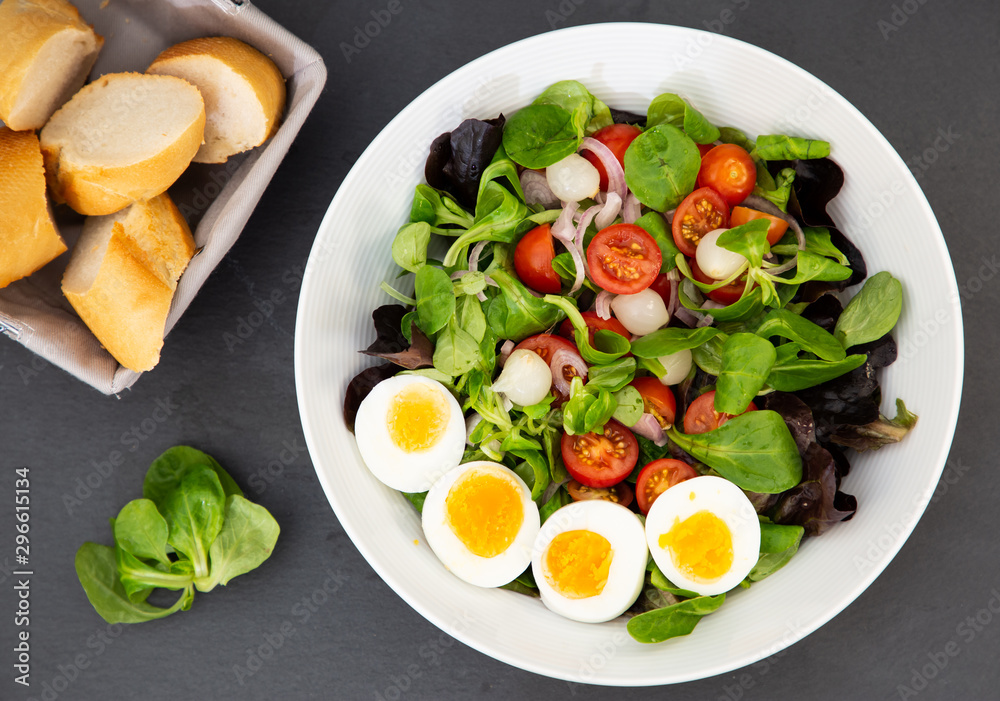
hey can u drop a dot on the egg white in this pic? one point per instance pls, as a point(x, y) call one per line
point(726, 501)
point(623, 530)
point(475, 569)
point(397, 468)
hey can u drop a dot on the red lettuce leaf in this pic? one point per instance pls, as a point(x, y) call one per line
point(360, 386)
point(390, 343)
point(458, 158)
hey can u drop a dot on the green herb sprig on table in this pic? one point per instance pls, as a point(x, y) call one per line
point(193, 529)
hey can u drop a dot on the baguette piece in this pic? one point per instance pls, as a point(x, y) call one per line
point(46, 52)
point(28, 237)
point(244, 92)
point(122, 275)
point(125, 137)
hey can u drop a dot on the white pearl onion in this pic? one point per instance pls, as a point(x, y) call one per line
point(677, 365)
point(573, 178)
point(715, 261)
point(525, 379)
point(641, 313)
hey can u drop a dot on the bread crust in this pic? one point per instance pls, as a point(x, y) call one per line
point(25, 27)
point(127, 306)
point(28, 237)
point(98, 190)
point(127, 302)
point(260, 73)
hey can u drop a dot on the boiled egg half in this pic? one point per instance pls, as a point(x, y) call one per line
point(410, 431)
point(704, 535)
point(590, 560)
point(481, 523)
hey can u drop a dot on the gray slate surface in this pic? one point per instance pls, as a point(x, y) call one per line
point(928, 624)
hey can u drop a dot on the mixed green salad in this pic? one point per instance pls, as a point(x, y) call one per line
point(681, 292)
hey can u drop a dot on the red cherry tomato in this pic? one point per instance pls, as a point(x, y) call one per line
point(616, 137)
point(623, 259)
point(704, 148)
point(545, 345)
point(724, 295)
point(659, 476)
point(621, 493)
point(701, 416)
point(657, 399)
point(729, 170)
point(597, 460)
point(702, 211)
point(594, 324)
point(533, 260)
point(776, 229)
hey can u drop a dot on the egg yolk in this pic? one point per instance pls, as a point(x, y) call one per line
point(484, 511)
point(417, 417)
point(577, 563)
point(701, 546)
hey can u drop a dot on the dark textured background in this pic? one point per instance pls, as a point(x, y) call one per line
point(913, 67)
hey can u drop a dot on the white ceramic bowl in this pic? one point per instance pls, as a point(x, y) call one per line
point(881, 208)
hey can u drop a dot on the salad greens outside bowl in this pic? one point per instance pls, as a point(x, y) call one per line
point(881, 208)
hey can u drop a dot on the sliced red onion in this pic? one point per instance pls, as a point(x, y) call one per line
point(563, 228)
point(475, 253)
point(712, 304)
point(673, 303)
point(707, 320)
point(536, 189)
point(630, 209)
point(616, 174)
point(768, 207)
point(648, 427)
point(689, 317)
point(560, 359)
point(505, 350)
point(602, 305)
point(585, 219)
point(612, 206)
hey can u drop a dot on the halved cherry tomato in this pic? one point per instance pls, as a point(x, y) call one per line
point(545, 345)
point(704, 148)
point(594, 324)
point(657, 399)
point(702, 211)
point(623, 259)
point(616, 137)
point(777, 228)
point(659, 476)
point(621, 493)
point(597, 460)
point(724, 295)
point(533, 260)
point(701, 416)
point(729, 170)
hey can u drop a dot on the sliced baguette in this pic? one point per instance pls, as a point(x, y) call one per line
point(46, 52)
point(122, 275)
point(28, 237)
point(244, 92)
point(125, 137)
